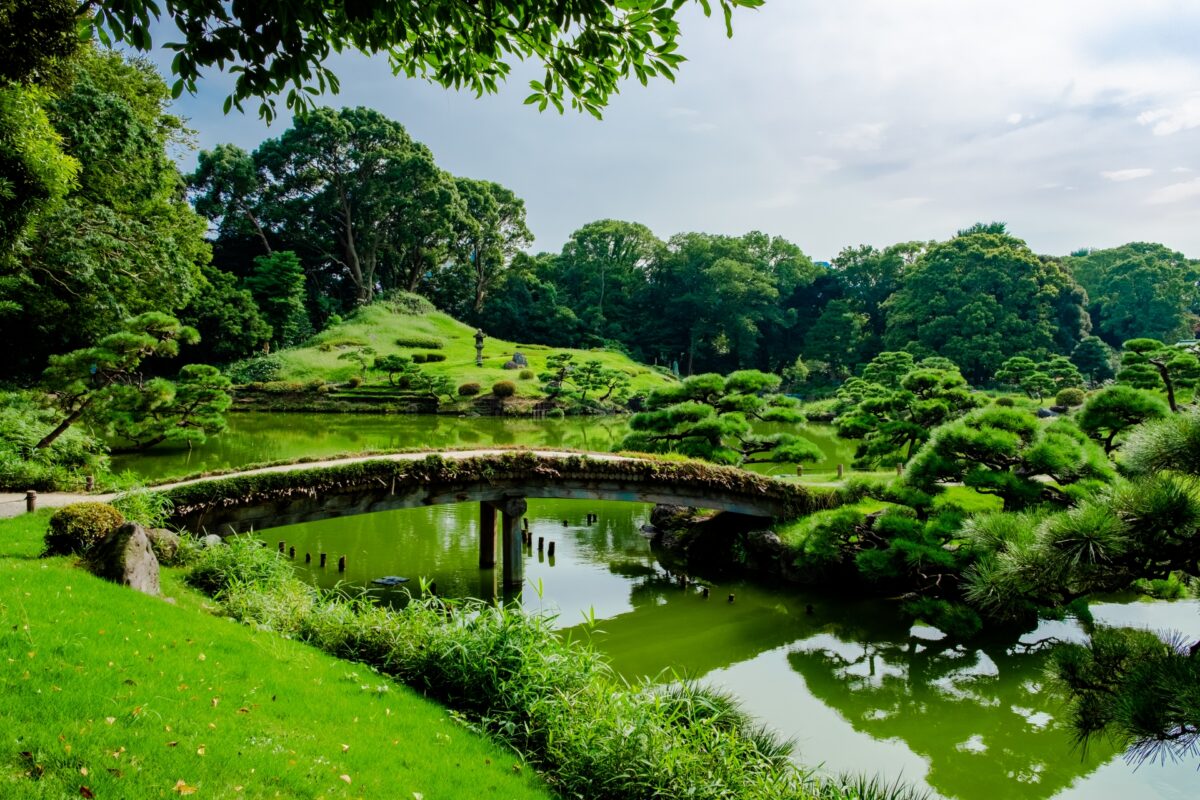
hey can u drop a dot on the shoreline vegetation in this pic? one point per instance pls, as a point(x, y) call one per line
point(501, 671)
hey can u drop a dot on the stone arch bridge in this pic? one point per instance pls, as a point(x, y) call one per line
point(499, 480)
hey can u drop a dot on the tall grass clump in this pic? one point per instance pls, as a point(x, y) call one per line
point(554, 700)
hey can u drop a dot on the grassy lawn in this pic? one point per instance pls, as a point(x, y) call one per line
point(379, 326)
point(112, 694)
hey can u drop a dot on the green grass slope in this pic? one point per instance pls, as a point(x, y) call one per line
point(382, 324)
point(112, 694)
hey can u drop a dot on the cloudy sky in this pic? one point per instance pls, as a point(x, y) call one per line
point(844, 123)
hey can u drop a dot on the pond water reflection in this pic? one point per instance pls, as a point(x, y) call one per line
point(856, 686)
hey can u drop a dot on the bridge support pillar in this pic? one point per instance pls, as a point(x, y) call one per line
point(487, 535)
point(512, 509)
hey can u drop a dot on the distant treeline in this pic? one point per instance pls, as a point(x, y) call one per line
point(260, 250)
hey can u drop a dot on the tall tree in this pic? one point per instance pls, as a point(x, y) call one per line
point(227, 188)
point(356, 198)
point(277, 285)
point(227, 318)
point(602, 271)
point(1094, 359)
point(868, 277)
point(123, 240)
point(836, 338)
point(1139, 291)
point(981, 298)
point(489, 233)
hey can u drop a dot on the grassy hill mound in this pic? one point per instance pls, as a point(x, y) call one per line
point(409, 325)
point(110, 693)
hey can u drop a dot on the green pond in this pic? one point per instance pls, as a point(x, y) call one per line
point(853, 684)
point(256, 438)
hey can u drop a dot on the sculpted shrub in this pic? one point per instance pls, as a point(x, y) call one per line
point(78, 527)
point(503, 389)
point(1069, 397)
point(468, 390)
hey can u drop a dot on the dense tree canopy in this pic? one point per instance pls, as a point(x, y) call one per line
point(983, 297)
point(1139, 291)
point(122, 240)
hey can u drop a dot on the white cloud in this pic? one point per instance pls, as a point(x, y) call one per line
point(864, 136)
point(1175, 193)
point(1167, 121)
point(1122, 175)
point(1014, 118)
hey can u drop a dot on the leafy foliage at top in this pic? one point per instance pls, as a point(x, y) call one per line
point(586, 46)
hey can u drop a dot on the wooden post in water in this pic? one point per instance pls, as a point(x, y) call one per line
point(341, 563)
point(324, 556)
point(512, 509)
point(487, 535)
point(550, 550)
point(308, 558)
point(841, 469)
point(541, 543)
point(281, 546)
point(292, 553)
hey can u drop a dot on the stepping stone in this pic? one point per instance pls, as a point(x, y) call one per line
point(390, 580)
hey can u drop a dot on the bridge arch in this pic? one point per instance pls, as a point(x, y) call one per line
point(500, 481)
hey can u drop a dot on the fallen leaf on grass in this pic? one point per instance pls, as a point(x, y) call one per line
point(201, 750)
point(216, 701)
point(346, 778)
point(172, 744)
point(345, 747)
point(85, 792)
point(183, 788)
point(110, 720)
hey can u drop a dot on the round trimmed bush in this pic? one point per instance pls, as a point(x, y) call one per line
point(504, 389)
point(78, 527)
point(433, 358)
point(526, 374)
point(420, 358)
point(468, 390)
point(355, 382)
point(1007, 402)
point(1070, 397)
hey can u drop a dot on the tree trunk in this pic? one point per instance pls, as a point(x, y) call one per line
point(70, 420)
point(1165, 374)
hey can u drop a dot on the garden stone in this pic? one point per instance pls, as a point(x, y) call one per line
point(1046, 413)
point(511, 365)
point(165, 544)
point(212, 540)
point(520, 360)
point(126, 557)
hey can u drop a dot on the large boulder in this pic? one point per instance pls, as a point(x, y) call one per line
point(126, 557)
